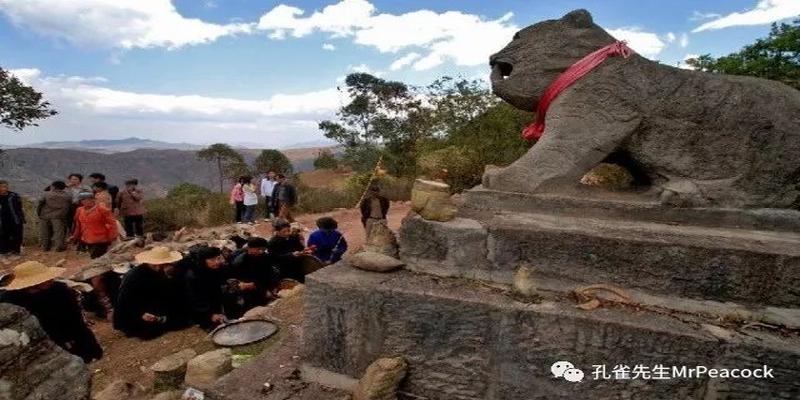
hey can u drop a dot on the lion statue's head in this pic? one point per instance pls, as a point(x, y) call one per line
point(539, 53)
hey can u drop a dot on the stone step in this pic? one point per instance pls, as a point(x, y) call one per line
point(746, 266)
point(466, 341)
point(631, 206)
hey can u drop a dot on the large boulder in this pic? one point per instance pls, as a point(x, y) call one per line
point(381, 380)
point(170, 371)
point(32, 366)
point(431, 200)
point(699, 139)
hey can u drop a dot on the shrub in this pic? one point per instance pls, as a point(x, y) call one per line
point(326, 160)
point(458, 166)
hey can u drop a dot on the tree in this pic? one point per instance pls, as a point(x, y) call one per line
point(373, 117)
point(775, 57)
point(20, 105)
point(325, 160)
point(273, 160)
point(226, 158)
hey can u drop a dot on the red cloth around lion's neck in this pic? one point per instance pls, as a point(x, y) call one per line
point(571, 75)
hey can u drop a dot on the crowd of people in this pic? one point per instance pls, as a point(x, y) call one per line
point(279, 197)
point(163, 290)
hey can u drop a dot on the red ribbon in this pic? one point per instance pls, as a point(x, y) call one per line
point(571, 75)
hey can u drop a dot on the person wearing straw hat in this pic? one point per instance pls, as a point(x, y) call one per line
point(150, 300)
point(55, 305)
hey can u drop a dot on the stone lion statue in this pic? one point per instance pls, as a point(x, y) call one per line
point(698, 139)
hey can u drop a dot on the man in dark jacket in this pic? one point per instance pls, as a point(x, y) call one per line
point(373, 206)
point(53, 210)
point(151, 298)
point(255, 278)
point(204, 279)
point(284, 196)
point(113, 190)
point(12, 220)
point(287, 248)
point(55, 306)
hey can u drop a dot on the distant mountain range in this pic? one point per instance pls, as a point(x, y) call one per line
point(134, 143)
point(29, 170)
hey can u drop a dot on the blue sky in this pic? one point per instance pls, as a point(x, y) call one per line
point(265, 72)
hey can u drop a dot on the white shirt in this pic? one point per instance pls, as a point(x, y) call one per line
point(250, 196)
point(266, 187)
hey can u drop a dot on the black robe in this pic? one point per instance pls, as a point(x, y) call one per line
point(60, 316)
point(144, 290)
point(282, 249)
point(203, 289)
point(258, 269)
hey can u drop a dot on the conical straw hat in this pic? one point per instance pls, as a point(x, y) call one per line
point(158, 255)
point(32, 273)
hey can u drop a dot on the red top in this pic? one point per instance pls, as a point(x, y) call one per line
point(95, 225)
point(571, 75)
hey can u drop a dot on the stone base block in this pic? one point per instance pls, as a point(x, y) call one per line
point(635, 206)
point(724, 264)
point(464, 341)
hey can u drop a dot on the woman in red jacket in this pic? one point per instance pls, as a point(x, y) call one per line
point(95, 225)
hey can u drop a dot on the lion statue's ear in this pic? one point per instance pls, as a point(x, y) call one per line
point(579, 18)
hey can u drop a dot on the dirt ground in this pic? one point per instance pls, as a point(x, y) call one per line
point(127, 359)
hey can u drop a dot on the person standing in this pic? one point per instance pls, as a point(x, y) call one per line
point(56, 307)
point(74, 187)
point(249, 200)
point(113, 191)
point(12, 221)
point(237, 200)
point(102, 196)
point(130, 203)
point(374, 207)
point(95, 226)
point(284, 197)
point(53, 210)
point(267, 186)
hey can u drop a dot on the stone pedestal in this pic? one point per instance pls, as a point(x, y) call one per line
point(468, 341)
point(706, 287)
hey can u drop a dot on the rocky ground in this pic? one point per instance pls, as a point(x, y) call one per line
point(127, 359)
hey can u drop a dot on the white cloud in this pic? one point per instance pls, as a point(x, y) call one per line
point(670, 37)
point(328, 46)
point(403, 61)
point(699, 16)
point(684, 40)
point(465, 39)
point(364, 68)
point(122, 24)
point(89, 102)
point(645, 43)
point(765, 12)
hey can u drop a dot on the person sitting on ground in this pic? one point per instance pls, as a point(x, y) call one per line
point(130, 203)
point(373, 207)
point(287, 247)
point(204, 276)
point(101, 195)
point(327, 243)
point(254, 278)
point(53, 210)
point(12, 221)
point(151, 298)
point(113, 191)
point(56, 307)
